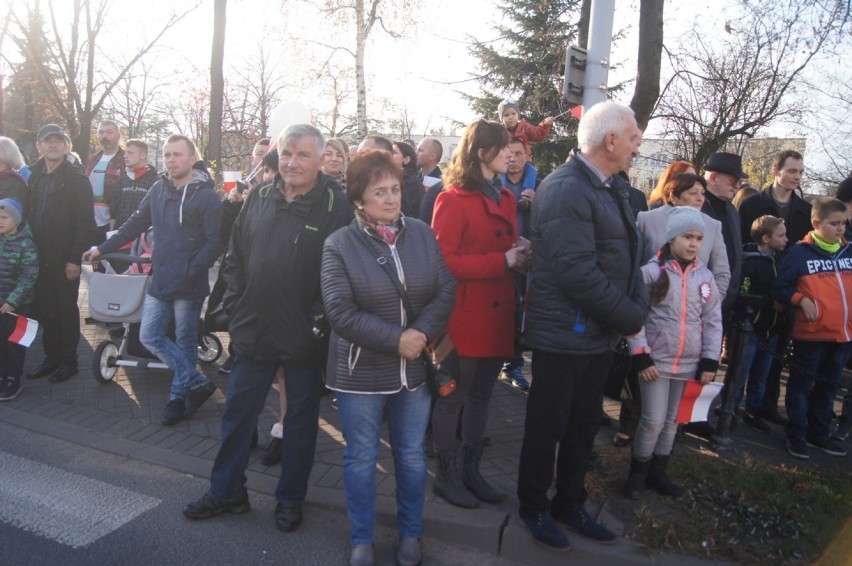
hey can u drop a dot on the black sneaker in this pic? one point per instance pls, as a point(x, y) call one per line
point(828, 446)
point(798, 448)
point(10, 388)
point(173, 412)
point(288, 517)
point(208, 507)
point(196, 397)
point(582, 523)
point(546, 532)
point(754, 421)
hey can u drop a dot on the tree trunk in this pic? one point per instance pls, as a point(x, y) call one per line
point(583, 24)
point(217, 89)
point(360, 82)
point(648, 68)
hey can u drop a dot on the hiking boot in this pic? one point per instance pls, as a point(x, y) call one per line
point(516, 378)
point(410, 552)
point(754, 421)
point(798, 448)
point(10, 388)
point(173, 412)
point(471, 477)
point(828, 446)
point(196, 397)
point(288, 517)
point(448, 483)
point(658, 480)
point(579, 521)
point(634, 487)
point(546, 532)
point(272, 455)
point(47, 367)
point(208, 506)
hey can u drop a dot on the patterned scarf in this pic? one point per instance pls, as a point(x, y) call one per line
point(387, 232)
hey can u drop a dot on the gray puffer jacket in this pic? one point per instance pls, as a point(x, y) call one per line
point(584, 292)
point(681, 331)
point(365, 310)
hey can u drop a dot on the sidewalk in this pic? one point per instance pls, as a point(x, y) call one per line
point(122, 417)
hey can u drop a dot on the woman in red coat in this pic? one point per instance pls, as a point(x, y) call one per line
point(476, 227)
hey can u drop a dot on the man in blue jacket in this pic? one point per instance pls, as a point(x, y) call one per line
point(584, 295)
point(185, 211)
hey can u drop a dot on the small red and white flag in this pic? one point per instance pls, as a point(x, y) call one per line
point(24, 332)
point(695, 403)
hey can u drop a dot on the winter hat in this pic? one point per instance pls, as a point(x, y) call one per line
point(505, 105)
point(13, 208)
point(683, 219)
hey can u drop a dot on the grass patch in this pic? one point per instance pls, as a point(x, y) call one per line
point(747, 511)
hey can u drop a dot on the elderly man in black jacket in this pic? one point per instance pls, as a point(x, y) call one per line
point(62, 220)
point(585, 294)
point(276, 320)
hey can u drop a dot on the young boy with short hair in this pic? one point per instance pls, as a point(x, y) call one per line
point(816, 277)
point(510, 116)
point(759, 271)
point(18, 273)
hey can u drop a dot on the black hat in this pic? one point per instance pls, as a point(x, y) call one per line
point(729, 163)
point(844, 190)
point(52, 130)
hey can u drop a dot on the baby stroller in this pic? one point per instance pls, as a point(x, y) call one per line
point(119, 298)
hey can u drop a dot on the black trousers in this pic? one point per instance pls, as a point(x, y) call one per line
point(564, 408)
point(12, 356)
point(56, 303)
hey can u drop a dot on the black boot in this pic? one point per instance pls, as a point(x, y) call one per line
point(448, 482)
point(634, 487)
point(473, 480)
point(659, 481)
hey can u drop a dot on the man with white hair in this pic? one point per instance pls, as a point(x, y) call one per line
point(278, 236)
point(585, 294)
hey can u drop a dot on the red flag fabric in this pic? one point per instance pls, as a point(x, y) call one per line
point(24, 332)
point(695, 403)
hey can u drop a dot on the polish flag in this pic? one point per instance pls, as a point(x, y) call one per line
point(695, 403)
point(24, 332)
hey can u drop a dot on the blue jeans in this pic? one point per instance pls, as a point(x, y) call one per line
point(361, 420)
point(182, 354)
point(756, 363)
point(248, 387)
point(812, 387)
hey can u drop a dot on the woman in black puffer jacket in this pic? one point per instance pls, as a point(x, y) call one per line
point(374, 355)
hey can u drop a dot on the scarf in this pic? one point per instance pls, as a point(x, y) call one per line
point(830, 248)
point(386, 232)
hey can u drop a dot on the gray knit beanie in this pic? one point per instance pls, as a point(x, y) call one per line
point(505, 105)
point(683, 219)
point(13, 209)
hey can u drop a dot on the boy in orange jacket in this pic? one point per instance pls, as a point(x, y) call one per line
point(816, 278)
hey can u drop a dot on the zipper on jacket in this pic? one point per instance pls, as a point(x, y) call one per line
point(682, 338)
point(843, 297)
point(398, 265)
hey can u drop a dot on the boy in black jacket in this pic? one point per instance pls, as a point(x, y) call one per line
point(759, 271)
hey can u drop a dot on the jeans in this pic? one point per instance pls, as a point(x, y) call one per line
point(657, 427)
point(361, 420)
point(757, 361)
point(812, 387)
point(180, 355)
point(564, 408)
point(248, 388)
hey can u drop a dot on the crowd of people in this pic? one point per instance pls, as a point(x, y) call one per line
point(345, 267)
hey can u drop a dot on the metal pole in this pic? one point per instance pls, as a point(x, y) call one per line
point(729, 395)
point(597, 60)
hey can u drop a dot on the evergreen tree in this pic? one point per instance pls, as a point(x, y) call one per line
point(527, 64)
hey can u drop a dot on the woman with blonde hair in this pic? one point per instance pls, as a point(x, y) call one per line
point(335, 160)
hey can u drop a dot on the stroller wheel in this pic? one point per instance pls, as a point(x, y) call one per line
point(103, 362)
point(209, 348)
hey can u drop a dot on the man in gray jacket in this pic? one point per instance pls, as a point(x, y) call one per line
point(585, 293)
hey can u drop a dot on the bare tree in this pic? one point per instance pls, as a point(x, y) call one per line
point(747, 80)
point(88, 74)
point(647, 88)
point(834, 136)
point(133, 99)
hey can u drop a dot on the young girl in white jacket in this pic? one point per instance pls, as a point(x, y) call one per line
point(681, 340)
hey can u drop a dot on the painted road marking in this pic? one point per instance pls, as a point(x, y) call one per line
point(69, 508)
